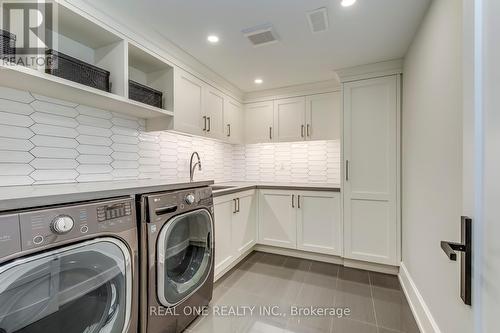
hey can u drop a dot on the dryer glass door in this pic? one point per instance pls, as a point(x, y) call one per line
point(80, 288)
point(184, 256)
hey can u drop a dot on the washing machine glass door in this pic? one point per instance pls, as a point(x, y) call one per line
point(81, 288)
point(184, 256)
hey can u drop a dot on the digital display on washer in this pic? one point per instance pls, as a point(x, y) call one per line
point(115, 211)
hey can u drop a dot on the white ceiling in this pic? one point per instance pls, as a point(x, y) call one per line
point(370, 31)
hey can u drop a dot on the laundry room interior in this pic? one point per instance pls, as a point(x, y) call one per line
point(279, 166)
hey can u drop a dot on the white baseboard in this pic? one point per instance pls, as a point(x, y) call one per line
point(421, 312)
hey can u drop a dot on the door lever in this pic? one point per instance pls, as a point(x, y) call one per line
point(465, 249)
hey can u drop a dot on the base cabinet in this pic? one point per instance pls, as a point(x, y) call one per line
point(319, 227)
point(235, 227)
point(277, 218)
point(303, 220)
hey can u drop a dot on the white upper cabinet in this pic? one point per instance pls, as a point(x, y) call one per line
point(233, 121)
point(323, 120)
point(289, 119)
point(188, 103)
point(213, 113)
point(371, 141)
point(319, 224)
point(258, 122)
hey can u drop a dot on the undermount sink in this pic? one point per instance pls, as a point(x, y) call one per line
point(221, 187)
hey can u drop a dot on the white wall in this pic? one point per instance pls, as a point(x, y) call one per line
point(432, 162)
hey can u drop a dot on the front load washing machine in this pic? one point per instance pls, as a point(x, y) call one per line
point(177, 261)
point(70, 269)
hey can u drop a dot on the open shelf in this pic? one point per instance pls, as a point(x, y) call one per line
point(24, 78)
point(150, 71)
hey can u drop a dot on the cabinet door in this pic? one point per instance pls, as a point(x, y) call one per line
point(323, 116)
point(259, 122)
point(370, 182)
point(319, 227)
point(245, 223)
point(233, 121)
point(188, 103)
point(214, 111)
point(277, 218)
point(289, 119)
point(224, 251)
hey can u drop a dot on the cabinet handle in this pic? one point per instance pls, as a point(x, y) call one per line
point(205, 123)
point(293, 200)
point(298, 201)
point(270, 133)
point(302, 130)
point(228, 130)
point(347, 170)
point(235, 209)
point(308, 130)
point(238, 200)
point(209, 124)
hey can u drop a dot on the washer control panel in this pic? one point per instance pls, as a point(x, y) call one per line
point(62, 223)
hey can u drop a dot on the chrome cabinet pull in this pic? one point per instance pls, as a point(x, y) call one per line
point(238, 200)
point(209, 124)
point(347, 170)
point(293, 200)
point(302, 130)
point(228, 130)
point(298, 201)
point(270, 133)
point(235, 209)
point(308, 130)
point(205, 123)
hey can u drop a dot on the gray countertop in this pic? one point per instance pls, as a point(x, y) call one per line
point(235, 187)
point(20, 197)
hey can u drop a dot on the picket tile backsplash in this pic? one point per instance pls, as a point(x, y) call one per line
point(47, 141)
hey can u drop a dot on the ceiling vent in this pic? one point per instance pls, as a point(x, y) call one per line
point(318, 20)
point(261, 35)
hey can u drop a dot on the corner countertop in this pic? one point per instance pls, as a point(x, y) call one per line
point(235, 187)
point(21, 197)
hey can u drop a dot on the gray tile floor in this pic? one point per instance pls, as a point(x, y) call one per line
point(266, 281)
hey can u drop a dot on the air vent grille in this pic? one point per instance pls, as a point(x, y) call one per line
point(261, 35)
point(318, 20)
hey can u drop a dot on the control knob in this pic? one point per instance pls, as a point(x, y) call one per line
point(190, 199)
point(62, 224)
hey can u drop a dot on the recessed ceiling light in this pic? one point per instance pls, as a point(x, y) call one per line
point(258, 81)
point(347, 3)
point(213, 39)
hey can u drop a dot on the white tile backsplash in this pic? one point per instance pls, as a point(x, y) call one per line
point(46, 141)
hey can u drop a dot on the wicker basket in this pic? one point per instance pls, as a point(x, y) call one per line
point(7, 45)
point(62, 65)
point(144, 94)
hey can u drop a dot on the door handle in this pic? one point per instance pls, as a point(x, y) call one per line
point(465, 249)
point(235, 210)
point(347, 170)
point(270, 133)
point(302, 130)
point(209, 124)
point(205, 123)
point(228, 130)
point(298, 202)
point(293, 200)
point(308, 132)
point(238, 201)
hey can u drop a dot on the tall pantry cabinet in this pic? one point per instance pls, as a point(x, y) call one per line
point(371, 132)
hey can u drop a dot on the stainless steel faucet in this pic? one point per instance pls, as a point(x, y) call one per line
point(193, 167)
